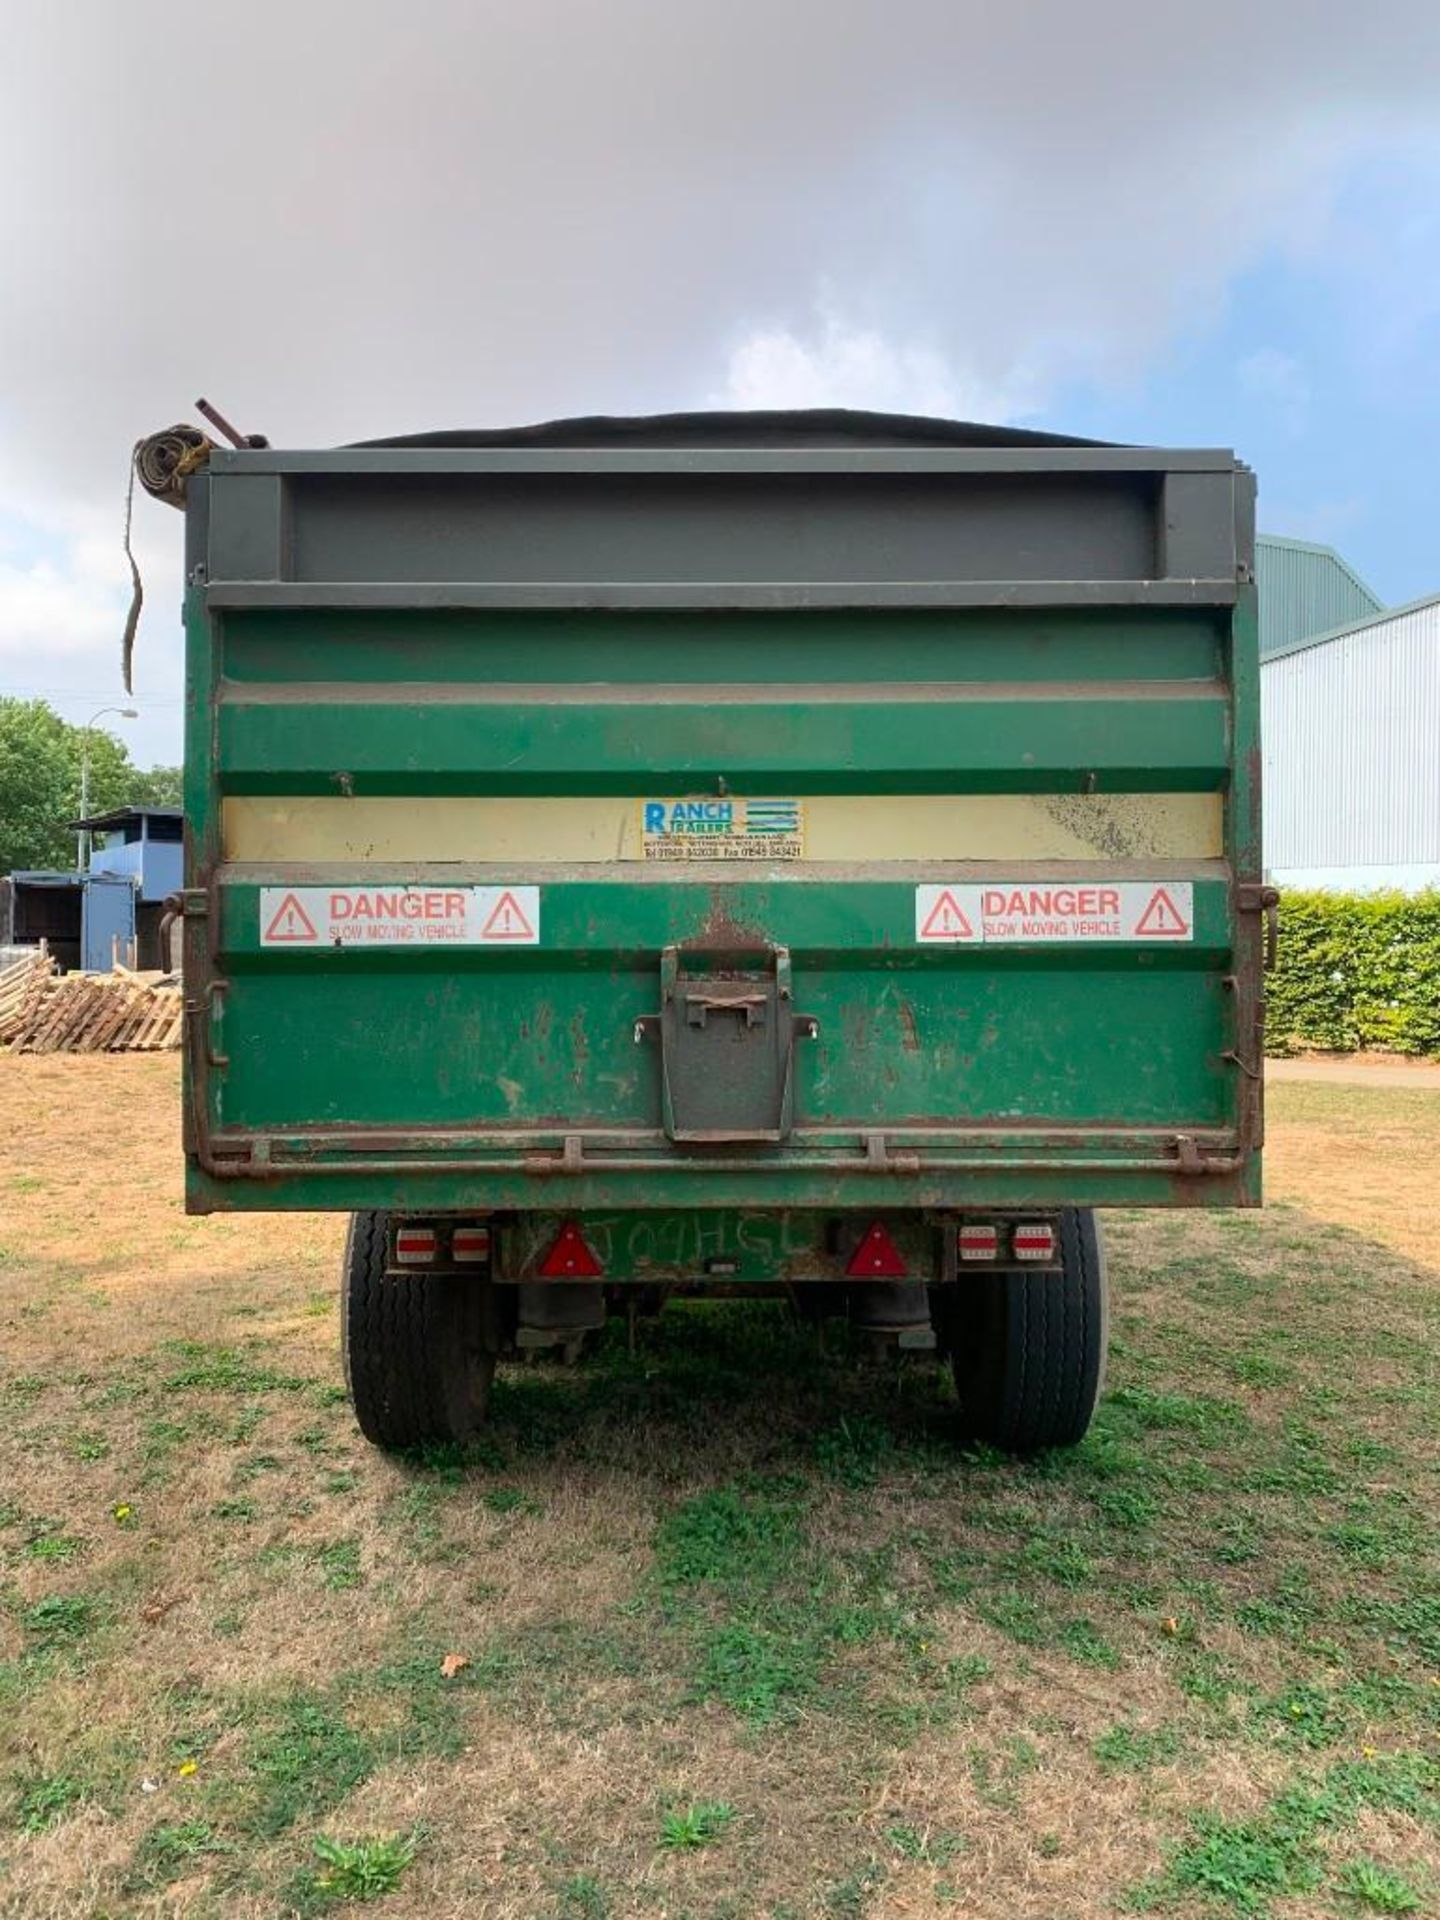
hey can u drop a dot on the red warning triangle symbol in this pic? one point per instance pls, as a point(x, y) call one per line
point(1162, 918)
point(507, 921)
point(290, 922)
point(947, 921)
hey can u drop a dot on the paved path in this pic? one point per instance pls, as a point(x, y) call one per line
point(1364, 1070)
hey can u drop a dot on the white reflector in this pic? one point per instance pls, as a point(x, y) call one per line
point(1033, 1240)
point(979, 1242)
point(414, 1246)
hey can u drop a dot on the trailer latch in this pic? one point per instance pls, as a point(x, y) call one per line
point(726, 1048)
point(1253, 897)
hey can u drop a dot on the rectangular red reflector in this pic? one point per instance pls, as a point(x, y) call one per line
point(1033, 1240)
point(979, 1242)
point(876, 1257)
point(414, 1246)
point(570, 1258)
point(470, 1245)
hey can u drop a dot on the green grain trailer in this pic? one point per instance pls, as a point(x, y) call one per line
point(812, 853)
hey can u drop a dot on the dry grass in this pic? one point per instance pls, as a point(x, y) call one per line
point(727, 1571)
point(1364, 1157)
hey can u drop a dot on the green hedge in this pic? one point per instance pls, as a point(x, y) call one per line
point(1357, 970)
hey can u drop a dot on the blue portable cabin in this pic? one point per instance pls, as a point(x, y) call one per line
point(136, 861)
point(110, 911)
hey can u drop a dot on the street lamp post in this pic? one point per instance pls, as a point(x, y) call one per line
point(83, 843)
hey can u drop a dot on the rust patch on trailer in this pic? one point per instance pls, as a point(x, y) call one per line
point(722, 930)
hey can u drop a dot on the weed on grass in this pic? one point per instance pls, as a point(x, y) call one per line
point(696, 1825)
point(362, 1869)
point(1378, 1889)
point(935, 1849)
point(583, 1898)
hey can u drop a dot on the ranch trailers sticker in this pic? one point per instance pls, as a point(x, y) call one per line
point(1014, 914)
point(399, 916)
point(723, 829)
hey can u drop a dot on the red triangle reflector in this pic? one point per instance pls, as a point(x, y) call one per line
point(876, 1257)
point(570, 1258)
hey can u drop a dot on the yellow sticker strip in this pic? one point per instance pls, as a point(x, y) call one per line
point(836, 828)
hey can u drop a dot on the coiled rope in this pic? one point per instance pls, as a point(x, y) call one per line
point(163, 462)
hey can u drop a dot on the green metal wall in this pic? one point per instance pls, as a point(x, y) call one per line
point(1117, 658)
point(1305, 590)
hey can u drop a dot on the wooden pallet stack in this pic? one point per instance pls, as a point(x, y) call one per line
point(22, 988)
point(119, 1012)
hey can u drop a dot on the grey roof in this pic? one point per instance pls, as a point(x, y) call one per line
point(1380, 619)
point(117, 816)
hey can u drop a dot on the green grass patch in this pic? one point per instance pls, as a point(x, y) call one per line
point(171, 1851)
point(44, 1801)
point(1247, 1865)
point(339, 1564)
point(302, 1760)
point(207, 1367)
point(1128, 1749)
point(728, 1538)
point(760, 1669)
point(60, 1619)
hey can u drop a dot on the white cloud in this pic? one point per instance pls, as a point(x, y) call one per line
point(841, 365)
point(48, 611)
point(64, 595)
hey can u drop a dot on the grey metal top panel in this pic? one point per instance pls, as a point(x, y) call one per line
point(683, 460)
point(823, 510)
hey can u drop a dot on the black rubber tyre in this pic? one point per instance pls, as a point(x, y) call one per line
point(1028, 1348)
point(417, 1359)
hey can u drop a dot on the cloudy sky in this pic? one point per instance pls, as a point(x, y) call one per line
point(1154, 220)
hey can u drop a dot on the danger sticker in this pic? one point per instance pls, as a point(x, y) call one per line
point(399, 916)
point(723, 829)
point(1015, 914)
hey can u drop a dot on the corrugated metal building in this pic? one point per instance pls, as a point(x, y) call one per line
point(1306, 589)
point(1352, 754)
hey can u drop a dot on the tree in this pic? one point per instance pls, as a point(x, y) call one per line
point(156, 787)
point(40, 758)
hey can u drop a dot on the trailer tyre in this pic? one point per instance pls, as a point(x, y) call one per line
point(417, 1360)
point(1028, 1348)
